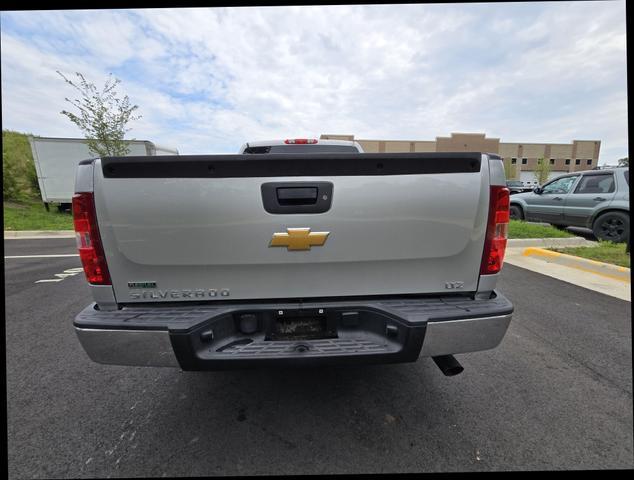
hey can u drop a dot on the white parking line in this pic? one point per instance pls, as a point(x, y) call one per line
point(44, 256)
point(61, 276)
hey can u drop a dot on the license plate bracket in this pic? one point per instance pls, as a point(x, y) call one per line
point(301, 327)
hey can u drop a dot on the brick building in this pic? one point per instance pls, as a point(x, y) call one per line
point(522, 156)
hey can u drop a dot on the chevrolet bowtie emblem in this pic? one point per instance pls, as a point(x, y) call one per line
point(299, 239)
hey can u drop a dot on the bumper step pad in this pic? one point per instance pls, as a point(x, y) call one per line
point(330, 346)
point(184, 317)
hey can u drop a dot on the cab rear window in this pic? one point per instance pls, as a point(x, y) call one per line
point(303, 149)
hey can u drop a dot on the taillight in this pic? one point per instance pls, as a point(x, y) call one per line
point(300, 141)
point(88, 240)
point(497, 231)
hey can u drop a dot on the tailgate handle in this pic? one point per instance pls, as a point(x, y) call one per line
point(297, 195)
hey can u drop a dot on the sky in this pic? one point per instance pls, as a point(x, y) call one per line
point(206, 80)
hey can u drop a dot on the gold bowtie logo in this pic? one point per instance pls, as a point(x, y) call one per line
point(299, 239)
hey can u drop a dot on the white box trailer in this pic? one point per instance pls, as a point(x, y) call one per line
point(56, 160)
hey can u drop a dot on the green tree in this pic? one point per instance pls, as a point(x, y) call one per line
point(624, 162)
point(542, 170)
point(510, 170)
point(103, 115)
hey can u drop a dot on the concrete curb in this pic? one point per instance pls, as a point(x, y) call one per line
point(549, 242)
point(29, 234)
point(592, 266)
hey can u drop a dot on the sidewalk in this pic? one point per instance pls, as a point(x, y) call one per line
point(549, 242)
point(31, 234)
point(600, 277)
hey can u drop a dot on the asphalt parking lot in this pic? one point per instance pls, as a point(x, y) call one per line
point(556, 394)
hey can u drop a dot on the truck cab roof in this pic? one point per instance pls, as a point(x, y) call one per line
point(301, 145)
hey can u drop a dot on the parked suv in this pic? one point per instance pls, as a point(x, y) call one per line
point(595, 199)
point(515, 186)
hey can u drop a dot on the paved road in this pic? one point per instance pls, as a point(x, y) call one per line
point(556, 394)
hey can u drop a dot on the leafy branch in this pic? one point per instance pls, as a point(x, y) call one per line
point(102, 115)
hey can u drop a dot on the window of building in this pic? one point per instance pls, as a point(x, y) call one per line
point(596, 184)
point(567, 161)
point(552, 161)
point(524, 161)
point(578, 161)
point(589, 161)
point(513, 161)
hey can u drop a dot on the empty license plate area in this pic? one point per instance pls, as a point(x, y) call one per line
point(267, 333)
point(301, 325)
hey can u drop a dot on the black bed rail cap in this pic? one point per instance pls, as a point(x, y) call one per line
point(285, 165)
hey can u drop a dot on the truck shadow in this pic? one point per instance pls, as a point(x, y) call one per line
point(293, 408)
point(361, 419)
point(310, 384)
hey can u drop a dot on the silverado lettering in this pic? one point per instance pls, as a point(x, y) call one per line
point(156, 294)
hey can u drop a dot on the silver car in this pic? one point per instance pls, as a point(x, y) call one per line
point(595, 199)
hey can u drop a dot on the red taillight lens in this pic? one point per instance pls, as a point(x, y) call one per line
point(88, 240)
point(300, 141)
point(497, 231)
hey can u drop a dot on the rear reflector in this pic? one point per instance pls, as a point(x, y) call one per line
point(88, 240)
point(497, 231)
point(300, 141)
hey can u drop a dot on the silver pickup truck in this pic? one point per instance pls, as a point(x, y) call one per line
point(297, 252)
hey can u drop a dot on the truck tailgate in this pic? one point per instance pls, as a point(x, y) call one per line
point(194, 228)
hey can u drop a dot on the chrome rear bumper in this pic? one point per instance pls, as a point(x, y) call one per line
point(128, 347)
point(386, 331)
point(466, 335)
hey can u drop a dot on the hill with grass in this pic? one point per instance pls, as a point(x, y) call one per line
point(19, 179)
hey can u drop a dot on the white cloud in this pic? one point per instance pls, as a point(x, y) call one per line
point(210, 79)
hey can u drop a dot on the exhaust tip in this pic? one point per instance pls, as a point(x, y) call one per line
point(448, 365)
point(450, 372)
